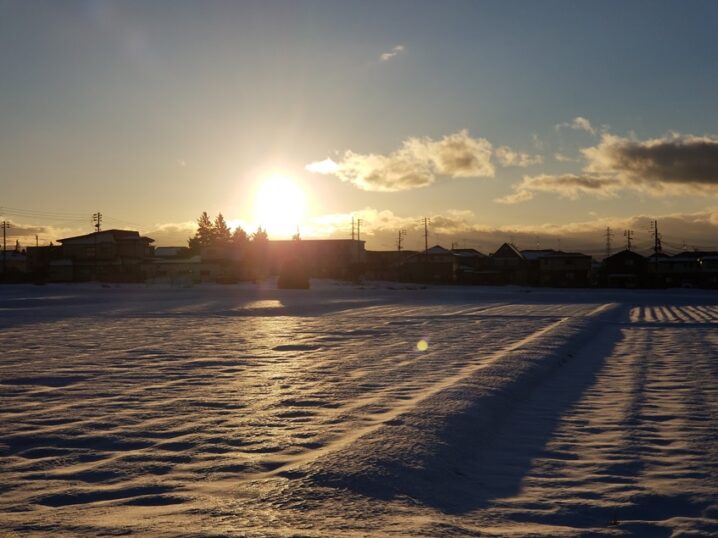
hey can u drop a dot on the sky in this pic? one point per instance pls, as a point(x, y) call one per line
point(541, 123)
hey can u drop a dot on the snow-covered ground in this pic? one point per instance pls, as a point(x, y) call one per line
point(247, 411)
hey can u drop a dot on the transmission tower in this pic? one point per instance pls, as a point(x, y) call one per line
point(609, 234)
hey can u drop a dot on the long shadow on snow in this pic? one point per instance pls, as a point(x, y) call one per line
point(444, 462)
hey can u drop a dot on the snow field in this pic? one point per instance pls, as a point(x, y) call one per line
point(247, 411)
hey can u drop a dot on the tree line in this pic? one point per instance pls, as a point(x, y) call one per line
point(218, 234)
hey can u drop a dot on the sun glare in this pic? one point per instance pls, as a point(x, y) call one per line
point(279, 206)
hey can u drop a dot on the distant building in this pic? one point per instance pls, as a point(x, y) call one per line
point(14, 265)
point(510, 264)
point(108, 255)
point(437, 265)
point(693, 269)
point(625, 269)
point(557, 269)
point(386, 264)
point(475, 267)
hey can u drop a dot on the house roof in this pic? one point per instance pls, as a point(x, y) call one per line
point(112, 235)
point(538, 253)
point(508, 250)
point(625, 254)
point(468, 252)
point(436, 249)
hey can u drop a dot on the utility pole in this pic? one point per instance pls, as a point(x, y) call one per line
point(402, 233)
point(657, 248)
point(656, 239)
point(359, 221)
point(426, 247)
point(609, 234)
point(426, 221)
point(628, 234)
point(97, 219)
point(37, 241)
point(352, 227)
point(5, 226)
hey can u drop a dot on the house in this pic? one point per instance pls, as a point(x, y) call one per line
point(475, 267)
point(558, 269)
point(625, 269)
point(694, 269)
point(510, 265)
point(14, 265)
point(436, 264)
point(386, 264)
point(108, 255)
point(180, 266)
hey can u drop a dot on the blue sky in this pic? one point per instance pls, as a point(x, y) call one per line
point(155, 111)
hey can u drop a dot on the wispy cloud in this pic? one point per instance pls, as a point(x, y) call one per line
point(417, 163)
point(386, 56)
point(508, 157)
point(560, 157)
point(579, 123)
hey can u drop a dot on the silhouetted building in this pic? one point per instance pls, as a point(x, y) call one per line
point(510, 264)
point(109, 255)
point(557, 269)
point(386, 264)
point(14, 266)
point(625, 269)
point(437, 265)
point(689, 269)
point(475, 267)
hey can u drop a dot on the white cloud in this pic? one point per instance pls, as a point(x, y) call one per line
point(508, 157)
point(386, 56)
point(415, 164)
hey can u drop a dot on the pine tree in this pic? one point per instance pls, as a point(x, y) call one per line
point(204, 235)
point(239, 236)
point(260, 236)
point(221, 232)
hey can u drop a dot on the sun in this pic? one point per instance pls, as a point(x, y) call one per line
point(279, 206)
